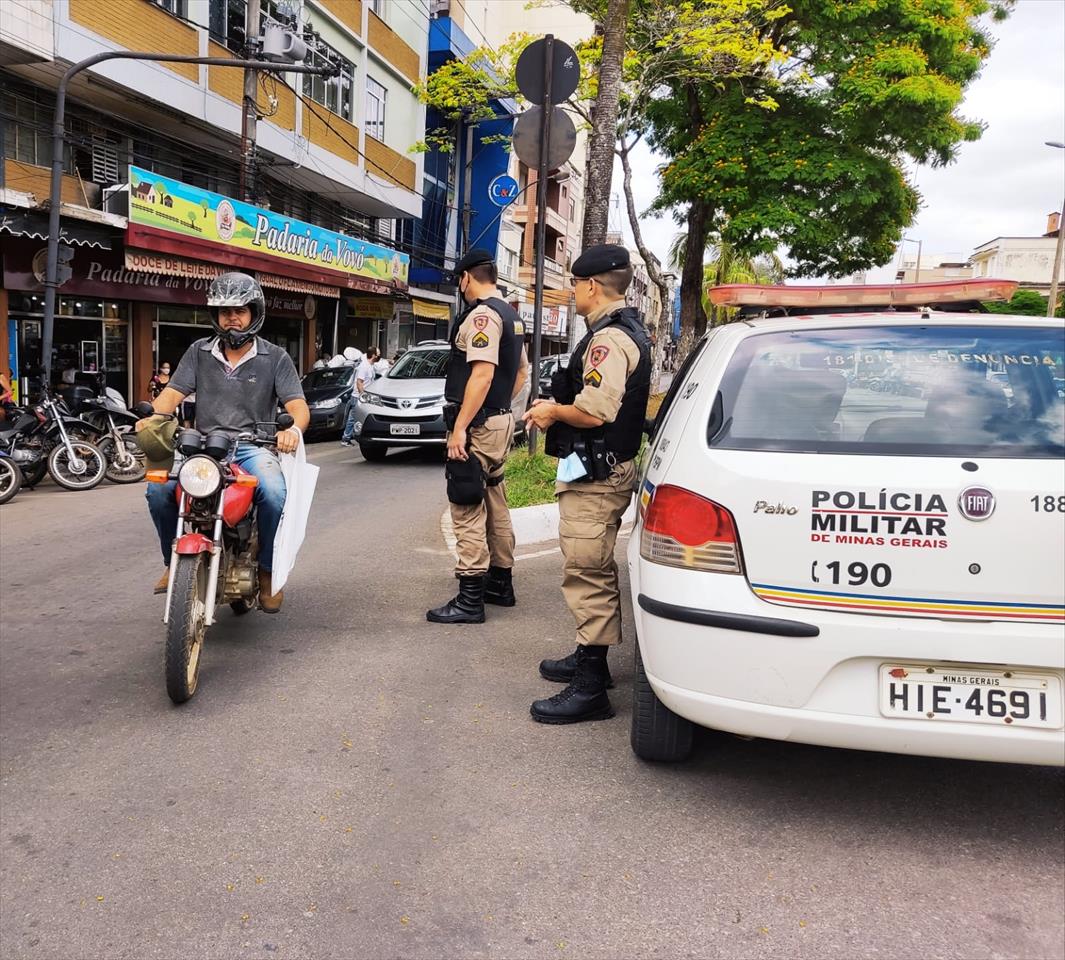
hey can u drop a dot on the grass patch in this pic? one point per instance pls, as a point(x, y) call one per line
point(530, 480)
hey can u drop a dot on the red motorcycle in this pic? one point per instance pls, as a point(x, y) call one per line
point(216, 545)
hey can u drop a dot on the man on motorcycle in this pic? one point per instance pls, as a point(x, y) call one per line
point(238, 379)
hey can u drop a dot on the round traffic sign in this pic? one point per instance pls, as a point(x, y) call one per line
point(527, 143)
point(565, 71)
point(502, 190)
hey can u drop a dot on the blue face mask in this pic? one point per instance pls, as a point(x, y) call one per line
point(570, 469)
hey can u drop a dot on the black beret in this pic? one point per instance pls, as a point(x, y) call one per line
point(474, 258)
point(602, 258)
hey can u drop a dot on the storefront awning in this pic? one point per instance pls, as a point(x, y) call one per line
point(431, 311)
point(33, 225)
point(292, 285)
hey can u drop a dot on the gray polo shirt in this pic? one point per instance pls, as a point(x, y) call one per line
point(235, 398)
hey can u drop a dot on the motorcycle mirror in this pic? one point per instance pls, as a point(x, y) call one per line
point(284, 421)
point(143, 409)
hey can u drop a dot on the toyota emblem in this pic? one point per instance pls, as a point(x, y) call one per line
point(406, 404)
point(976, 503)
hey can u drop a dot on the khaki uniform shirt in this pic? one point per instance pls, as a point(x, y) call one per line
point(610, 359)
point(480, 335)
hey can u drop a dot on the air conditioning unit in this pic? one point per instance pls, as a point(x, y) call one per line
point(116, 200)
point(440, 8)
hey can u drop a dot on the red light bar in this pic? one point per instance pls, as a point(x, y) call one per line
point(857, 295)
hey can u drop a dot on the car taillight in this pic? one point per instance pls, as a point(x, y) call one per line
point(682, 529)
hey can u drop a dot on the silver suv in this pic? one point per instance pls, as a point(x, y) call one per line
point(405, 408)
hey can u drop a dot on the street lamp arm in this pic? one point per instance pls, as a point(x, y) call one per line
point(51, 282)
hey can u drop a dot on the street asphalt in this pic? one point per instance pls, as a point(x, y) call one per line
point(351, 781)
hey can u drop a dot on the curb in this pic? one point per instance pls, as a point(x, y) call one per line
point(532, 525)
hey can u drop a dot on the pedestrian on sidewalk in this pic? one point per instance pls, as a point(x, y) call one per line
point(486, 370)
point(365, 374)
point(594, 426)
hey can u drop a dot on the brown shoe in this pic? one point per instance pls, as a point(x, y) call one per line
point(163, 582)
point(269, 602)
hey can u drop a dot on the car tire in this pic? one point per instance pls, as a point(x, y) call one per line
point(658, 734)
point(373, 452)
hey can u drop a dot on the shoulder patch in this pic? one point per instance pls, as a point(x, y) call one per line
point(593, 378)
point(480, 322)
point(597, 355)
point(480, 339)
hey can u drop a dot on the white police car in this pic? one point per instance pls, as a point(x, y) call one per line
point(822, 559)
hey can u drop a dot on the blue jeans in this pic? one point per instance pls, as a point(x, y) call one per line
point(349, 427)
point(269, 501)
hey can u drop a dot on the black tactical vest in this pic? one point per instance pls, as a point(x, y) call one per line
point(506, 373)
point(624, 434)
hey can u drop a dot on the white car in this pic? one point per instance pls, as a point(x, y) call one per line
point(820, 561)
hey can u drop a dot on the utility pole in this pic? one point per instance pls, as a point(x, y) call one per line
point(541, 230)
point(249, 116)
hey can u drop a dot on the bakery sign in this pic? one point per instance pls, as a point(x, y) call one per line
point(166, 213)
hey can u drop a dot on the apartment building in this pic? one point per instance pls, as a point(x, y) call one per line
point(159, 196)
point(462, 209)
point(1028, 260)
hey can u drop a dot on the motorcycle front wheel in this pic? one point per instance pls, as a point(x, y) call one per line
point(186, 627)
point(84, 473)
point(135, 468)
point(10, 479)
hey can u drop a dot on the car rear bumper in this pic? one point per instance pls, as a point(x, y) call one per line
point(718, 655)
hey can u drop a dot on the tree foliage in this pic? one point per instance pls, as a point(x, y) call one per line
point(1024, 303)
point(808, 154)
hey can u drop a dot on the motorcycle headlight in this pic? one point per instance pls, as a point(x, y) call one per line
point(328, 404)
point(200, 477)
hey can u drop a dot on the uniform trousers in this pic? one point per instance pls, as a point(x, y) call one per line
point(483, 532)
point(589, 519)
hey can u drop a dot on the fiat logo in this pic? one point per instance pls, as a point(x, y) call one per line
point(976, 503)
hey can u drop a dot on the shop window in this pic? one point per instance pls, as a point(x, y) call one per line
point(376, 101)
point(333, 93)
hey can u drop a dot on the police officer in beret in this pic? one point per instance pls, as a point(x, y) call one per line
point(594, 426)
point(486, 370)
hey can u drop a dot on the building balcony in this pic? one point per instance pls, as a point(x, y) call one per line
point(554, 275)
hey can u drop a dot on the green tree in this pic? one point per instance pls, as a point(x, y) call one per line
point(1024, 303)
point(723, 264)
point(857, 88)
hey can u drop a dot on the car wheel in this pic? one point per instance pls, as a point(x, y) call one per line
point(657, 732)
point(373, 452)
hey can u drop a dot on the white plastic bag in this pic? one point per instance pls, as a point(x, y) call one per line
point(301, 478)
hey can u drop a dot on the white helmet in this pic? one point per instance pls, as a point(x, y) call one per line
point(337, 361)
point(352, 355)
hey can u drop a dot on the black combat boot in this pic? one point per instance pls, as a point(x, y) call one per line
point(585, 698)
point(500, 587)
point(564, 670)
point(466, 607)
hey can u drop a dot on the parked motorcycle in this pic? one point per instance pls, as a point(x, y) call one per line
point(216, 545)
point(108, 414)
point(45, 439)
point(10, 477)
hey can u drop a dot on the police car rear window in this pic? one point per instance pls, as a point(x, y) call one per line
point(906, 390)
